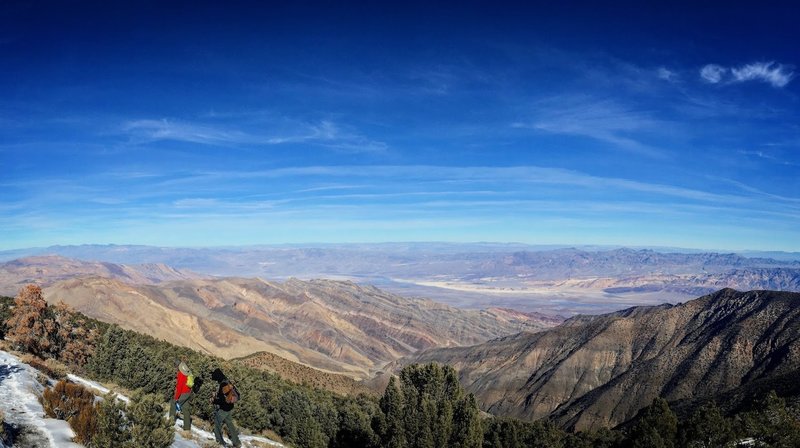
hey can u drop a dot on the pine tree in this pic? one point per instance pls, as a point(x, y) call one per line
point(707, 428)
point(75, 340)
point(109, 354)
point(354, 427)
point(31, 328)
point(299, 425)
point(113, 428)
point(657, 427)
point(543, 434)
point(5, 313)
point(250, 407)
point(426, 408)
point(503, 433)
point(771, 423)
point(467, 429)
point(601, 438)
point(391, 404)
point(149, 427)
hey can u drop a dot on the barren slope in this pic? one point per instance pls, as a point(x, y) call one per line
point(335, 326)
point(599, 371)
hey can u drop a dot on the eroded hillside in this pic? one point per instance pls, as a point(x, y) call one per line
point(592, 372)
point(330, 325)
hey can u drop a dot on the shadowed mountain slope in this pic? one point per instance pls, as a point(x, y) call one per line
point(596, 371)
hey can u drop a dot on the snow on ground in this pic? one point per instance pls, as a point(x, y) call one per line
point(95, 386)
point(19, 400)
point(203, 435)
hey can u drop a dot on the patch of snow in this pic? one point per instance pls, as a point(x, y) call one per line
point(208, 436)
point(95, 386)
point(19, 400)
point(201, 434)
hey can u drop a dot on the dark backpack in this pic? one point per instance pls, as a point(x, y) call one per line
point(230, 392)
point(198, 383)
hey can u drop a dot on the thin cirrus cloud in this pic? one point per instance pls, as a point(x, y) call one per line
point(473, 175)
point(324, 133)
point(773, 73)
point(155, 130)
point(605, 121)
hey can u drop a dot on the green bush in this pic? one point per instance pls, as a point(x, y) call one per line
point(148, 426)
point(5, 313)
point(771, 423)
point(427, 407)
point(112, 429)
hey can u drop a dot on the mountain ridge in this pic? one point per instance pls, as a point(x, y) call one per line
point(527, 278)
point(45, 270)
point(595, 371)
point(334, 326)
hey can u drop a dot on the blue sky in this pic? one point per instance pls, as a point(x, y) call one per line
point(194, 125)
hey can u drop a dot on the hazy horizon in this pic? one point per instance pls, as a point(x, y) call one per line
point(199, 125)
point(491, 245)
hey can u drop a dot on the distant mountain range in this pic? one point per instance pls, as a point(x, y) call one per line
point(599, 371)
point(554, 280)
point(420, 260)
point(46, 270)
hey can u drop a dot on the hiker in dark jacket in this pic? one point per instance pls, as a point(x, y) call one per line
point(182, 399)
point(223, 411)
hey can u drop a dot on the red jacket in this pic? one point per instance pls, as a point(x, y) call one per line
point(181, 388)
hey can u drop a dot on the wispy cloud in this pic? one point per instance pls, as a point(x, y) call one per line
point(603, 120)
point(196, 203)
point(477, 175)
point(153, 130)
point(773, 73)
point(352, 197)
point(768, 157)
point(323, 133)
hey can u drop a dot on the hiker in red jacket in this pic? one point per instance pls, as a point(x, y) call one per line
point(181, 402)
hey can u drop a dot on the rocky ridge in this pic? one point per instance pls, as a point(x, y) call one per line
point(599, 371)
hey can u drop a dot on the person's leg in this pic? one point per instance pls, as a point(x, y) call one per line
point(232, 431)
point(172, 410)
point(186, 410)
point(218, 418)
